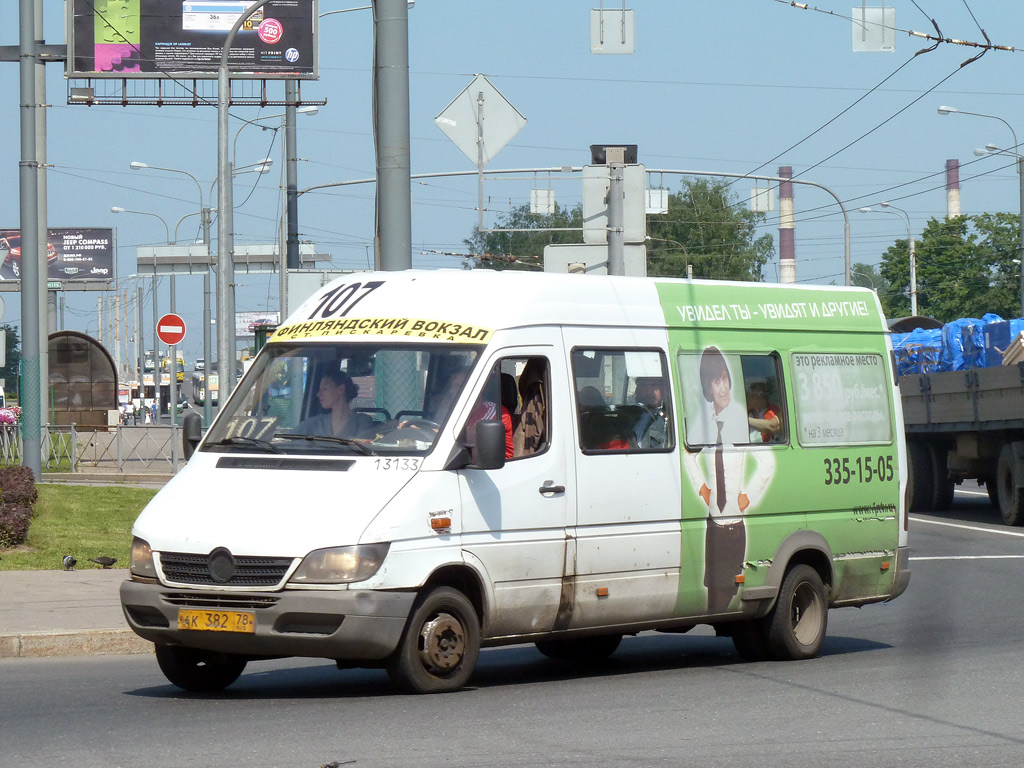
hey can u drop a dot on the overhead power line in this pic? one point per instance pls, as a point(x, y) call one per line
point(937, 38)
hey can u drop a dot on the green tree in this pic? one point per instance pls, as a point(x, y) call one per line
point(704, 228)
point(707, 229)
point(525, 249)
point(9, 372)
point(999, 246)
point(954, 277)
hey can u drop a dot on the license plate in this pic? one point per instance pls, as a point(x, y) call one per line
point(216, 621)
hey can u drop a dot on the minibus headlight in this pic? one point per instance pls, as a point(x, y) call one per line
point(339, 565)
point(142, 559)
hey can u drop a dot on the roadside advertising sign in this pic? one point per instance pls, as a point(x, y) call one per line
point(72, 254)
point(151, 39)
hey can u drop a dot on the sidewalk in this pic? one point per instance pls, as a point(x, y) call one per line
point(64, 613)
point(70, 613)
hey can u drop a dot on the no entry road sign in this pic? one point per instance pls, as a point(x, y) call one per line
point(170, 329)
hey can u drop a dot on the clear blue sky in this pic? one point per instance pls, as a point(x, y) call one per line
point(714, 85)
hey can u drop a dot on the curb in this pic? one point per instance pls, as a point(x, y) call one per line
point(87, 642)
point(105, 478)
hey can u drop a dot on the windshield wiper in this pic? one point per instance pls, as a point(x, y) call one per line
point(253, 442)
point(361, 447)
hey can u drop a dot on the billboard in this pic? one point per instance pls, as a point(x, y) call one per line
point(184, 39)
point(246, 322)
point(72, 254)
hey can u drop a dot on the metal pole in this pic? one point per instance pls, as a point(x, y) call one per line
point(174, 368)
point(28, 181)
point(615, 157)
point(47, 298)
point(291, 90)
point(1020, 177)
point(282, 232)
point(480, 162)
point(157, 376)
point(207, 362)
point(225, 273)
point(913, 274)
point(140, 347)
point(391, 78)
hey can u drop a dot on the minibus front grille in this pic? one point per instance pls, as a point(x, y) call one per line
point(186, 568)
point(222, 602)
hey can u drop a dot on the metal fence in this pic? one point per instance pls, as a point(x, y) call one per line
point(148, 449)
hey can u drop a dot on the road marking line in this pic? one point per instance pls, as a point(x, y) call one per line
point(969, 557)
point(972, 493)
point(967, 527)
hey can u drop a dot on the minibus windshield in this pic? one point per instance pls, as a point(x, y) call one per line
point(360, 398)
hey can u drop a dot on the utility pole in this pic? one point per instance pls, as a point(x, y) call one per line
point(394, 194)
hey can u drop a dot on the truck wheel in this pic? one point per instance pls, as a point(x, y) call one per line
point(197, 670)
point(1011, 499)
point(440, 646)
point(921, 481)
point(796, 625)
point(944, 485)
point(993, 491)
point(584, 650)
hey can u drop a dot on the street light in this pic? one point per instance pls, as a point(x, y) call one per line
point(946, 110)
point(167, 230)
point(910, 248)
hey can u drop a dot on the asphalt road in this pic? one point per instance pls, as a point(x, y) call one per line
point(931, 679)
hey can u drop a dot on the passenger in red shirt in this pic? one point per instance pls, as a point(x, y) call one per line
point(762, 416)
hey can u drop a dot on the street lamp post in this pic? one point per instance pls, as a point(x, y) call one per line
point(910, 249)
point(946, 110)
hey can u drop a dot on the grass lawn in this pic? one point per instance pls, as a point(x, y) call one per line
point(84, 521)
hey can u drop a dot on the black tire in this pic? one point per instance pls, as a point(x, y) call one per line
point(197, 670)
point(582, 650)
point(993, 491)
point(921, 482)
point(1008, 490)
point(944, 485)
point(440, 646)
point(797, 624)
point(751, 639)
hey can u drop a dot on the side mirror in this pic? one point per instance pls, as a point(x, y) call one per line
point(191, 433)
point(489, 452)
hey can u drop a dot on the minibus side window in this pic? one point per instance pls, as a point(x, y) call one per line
point(623, 400)
point(733, 399)
point(765, 401)
point(841, 399)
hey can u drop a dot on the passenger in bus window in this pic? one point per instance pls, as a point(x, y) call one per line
point(335, 394)
point(762, 415)
point(652, 427)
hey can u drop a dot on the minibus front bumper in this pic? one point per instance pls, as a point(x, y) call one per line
point(352, 625)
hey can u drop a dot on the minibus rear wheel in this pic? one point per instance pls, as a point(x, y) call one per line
point(197, 670)
point(799, 620)
point(440, 645)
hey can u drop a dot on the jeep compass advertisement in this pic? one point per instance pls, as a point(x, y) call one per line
point(72, 253)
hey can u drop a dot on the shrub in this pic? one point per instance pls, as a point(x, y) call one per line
point(14, 522)
point(17, 486)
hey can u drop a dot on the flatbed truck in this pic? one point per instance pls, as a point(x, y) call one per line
point(966, 425)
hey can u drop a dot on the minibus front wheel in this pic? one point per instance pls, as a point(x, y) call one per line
point(440, 646)
point(197, 670)
point(797, 624)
